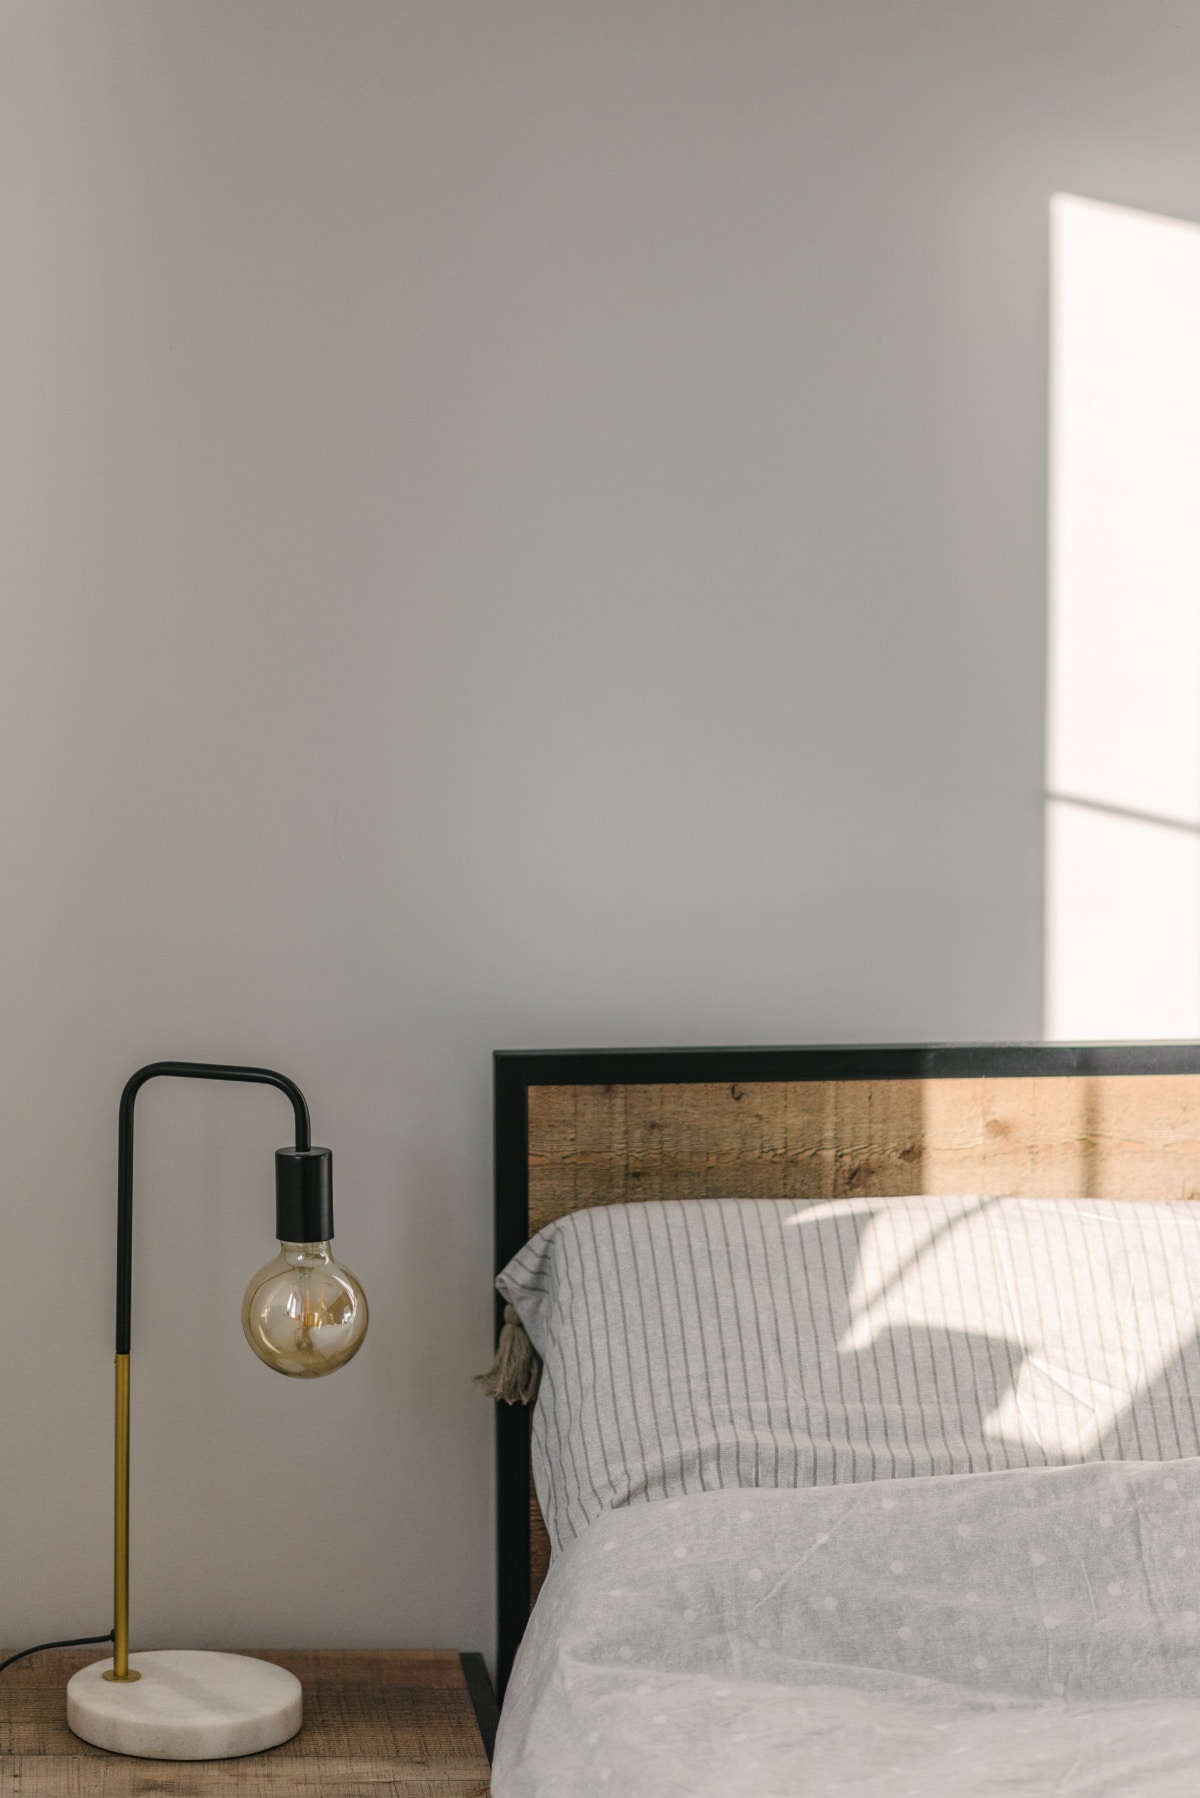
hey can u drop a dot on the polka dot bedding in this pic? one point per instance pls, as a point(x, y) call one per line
point(716, 1344)
point(1031, 1631)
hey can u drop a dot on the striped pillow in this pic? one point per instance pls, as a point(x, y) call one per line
point(724, 1342)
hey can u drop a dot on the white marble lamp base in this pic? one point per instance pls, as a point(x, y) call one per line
point(187, 1706)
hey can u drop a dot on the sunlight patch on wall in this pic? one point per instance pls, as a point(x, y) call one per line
point(1123, 724)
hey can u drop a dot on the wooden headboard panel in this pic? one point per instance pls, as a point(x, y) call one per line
point(1118, 1121)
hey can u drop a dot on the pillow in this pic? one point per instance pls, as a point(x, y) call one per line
point(689, 1346)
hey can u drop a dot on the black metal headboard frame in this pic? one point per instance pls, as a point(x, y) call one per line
point(516, 1071)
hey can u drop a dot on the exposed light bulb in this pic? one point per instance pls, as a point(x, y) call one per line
point(303, 1313)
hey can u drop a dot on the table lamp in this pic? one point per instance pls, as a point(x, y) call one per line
point(303, 1315)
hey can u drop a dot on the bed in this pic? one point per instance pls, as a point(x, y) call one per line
point(890, 1486)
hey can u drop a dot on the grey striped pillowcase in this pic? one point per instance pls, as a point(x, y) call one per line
point(722, 1342)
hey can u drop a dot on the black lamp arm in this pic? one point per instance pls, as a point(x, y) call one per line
point(184, 1070)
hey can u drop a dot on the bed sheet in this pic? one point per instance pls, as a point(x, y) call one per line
point(1033, 1631)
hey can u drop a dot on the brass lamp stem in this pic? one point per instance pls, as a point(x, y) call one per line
point(121, 1669)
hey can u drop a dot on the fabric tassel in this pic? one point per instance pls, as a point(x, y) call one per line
point(514, 1374)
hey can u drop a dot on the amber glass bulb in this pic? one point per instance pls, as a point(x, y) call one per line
point(303, 1313)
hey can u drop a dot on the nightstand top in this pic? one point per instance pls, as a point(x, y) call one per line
point(375, 1719)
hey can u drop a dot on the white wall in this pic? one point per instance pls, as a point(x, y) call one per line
point(524, 525)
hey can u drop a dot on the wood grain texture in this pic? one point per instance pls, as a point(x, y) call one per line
point(1115, 1136)
point(1127, 1136)
point(378, 1722)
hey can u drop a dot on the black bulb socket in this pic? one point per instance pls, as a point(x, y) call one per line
point(303, 1195)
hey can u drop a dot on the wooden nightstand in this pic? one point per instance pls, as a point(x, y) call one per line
point(385, 1721)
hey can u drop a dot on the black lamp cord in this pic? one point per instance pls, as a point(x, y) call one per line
point(75, 1642)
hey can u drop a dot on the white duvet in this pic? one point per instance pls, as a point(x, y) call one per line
point(1033, 1631)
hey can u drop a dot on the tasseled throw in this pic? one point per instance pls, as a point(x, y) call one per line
point(514, 1374)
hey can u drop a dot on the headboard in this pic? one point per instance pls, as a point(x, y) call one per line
point(603, 1127)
